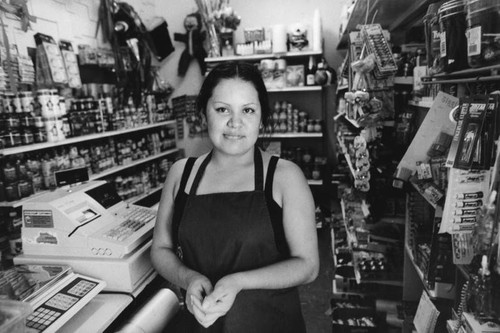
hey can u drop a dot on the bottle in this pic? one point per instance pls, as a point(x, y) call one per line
point(310, 71)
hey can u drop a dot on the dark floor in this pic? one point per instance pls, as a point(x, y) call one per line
point(316, 296)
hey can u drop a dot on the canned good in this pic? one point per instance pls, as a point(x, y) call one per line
point(26, 121)
point(46, 106)
point(10, 122)
point(53, 129)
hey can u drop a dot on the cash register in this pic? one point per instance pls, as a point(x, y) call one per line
point(90, 228)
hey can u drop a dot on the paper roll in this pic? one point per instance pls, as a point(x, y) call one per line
point(316, 31)
point(154, 316)
point(279, 38)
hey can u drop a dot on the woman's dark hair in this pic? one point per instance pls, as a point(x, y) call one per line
point(231, 70)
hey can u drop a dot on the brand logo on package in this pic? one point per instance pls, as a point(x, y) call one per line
point(38, 219)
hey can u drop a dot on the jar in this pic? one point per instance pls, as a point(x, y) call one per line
point(453, 44)
point(11, 122)
point(46, 106)
point(40, 135)
point(11, 193)
point(317, 126)
point(53, 132)
point(27, 137)
point(9, 173)
point(54, 100)
point(310, 126)
point(38, 122)
point(26, 121)
point(8, 100)
point(483, 29)
point(12, 138)
point(24, 188)
point(27, 102)
point(16, 103)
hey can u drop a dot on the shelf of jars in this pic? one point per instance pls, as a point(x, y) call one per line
point(255, 57)
point(83, 138)
point(103, 174)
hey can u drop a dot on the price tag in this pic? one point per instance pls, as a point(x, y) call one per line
point(474, 41)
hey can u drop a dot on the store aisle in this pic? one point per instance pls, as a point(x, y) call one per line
point(315, 297)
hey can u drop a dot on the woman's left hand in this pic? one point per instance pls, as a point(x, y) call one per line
point(222, 297)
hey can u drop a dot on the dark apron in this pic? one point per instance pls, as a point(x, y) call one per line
point(224, 233)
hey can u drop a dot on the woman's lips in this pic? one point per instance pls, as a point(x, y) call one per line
point(233, 136)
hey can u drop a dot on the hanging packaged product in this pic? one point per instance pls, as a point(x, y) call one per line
point(49, 62)
point(453, 50)
point(483, 31)
point(376, 44)
point(71, 64)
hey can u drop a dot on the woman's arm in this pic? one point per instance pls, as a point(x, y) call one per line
point(163, 255)
point(291, 191)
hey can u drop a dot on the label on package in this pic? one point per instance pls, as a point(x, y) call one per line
point(38, 219)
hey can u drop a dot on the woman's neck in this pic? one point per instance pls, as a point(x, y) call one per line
point(222, 161)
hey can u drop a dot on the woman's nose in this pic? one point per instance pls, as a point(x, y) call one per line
point(235, 120)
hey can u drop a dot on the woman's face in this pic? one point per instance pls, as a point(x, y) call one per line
point(234, 116)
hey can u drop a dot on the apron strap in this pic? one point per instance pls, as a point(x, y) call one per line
point(259, 170)
point(185, 174)
point(270, 176)
point(199, 174)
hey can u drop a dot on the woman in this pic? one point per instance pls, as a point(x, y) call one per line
point(236, 227)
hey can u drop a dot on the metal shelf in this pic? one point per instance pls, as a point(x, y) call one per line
point(68, 141)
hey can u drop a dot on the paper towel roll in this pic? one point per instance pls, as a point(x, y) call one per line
point(154, 316)
point(279, 38)
point(316, 31)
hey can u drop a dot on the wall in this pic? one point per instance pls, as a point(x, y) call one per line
point(76, 20)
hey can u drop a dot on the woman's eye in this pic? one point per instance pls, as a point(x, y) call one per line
point(221, 109)
point(249, 110)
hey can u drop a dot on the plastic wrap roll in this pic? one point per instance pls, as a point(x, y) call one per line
point(154, 316)
point(279, 38)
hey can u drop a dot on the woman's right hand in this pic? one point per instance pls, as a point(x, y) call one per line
point(198, 288)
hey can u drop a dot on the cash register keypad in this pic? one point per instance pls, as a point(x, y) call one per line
point(47, 313)
point(136, 219)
